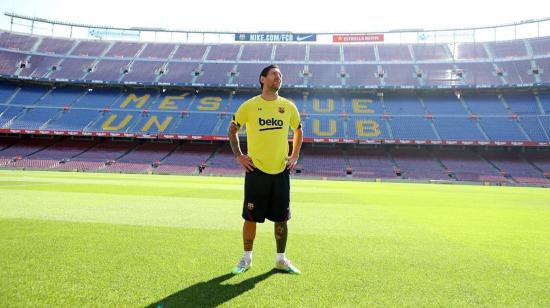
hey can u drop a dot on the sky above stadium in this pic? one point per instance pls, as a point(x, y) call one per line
point(282, 15)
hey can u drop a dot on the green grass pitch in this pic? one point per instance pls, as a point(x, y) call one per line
point(76, 239)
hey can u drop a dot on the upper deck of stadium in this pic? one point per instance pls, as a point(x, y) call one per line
point(514, 55)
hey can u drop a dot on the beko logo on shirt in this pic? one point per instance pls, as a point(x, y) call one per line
point(273, 123)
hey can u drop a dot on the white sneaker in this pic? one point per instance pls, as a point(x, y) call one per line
point(286, 266)
point(243, 266)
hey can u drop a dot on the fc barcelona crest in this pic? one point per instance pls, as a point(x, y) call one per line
point(281, 109)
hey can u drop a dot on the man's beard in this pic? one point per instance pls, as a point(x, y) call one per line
point(275, 88)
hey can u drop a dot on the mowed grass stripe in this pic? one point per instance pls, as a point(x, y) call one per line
point(372, 244)
point(73, 263)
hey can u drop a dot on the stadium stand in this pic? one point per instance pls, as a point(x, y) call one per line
point(224, 52)
point(124, 50)
point(17, 41)
point(222, 162)
point(186, 159)
point(247, 74)
point(503, 63)
point(157, 51)
point(100, 155)
point(359, 53)
point(418, 164)
point(512, 165)
point(190, 52)
point(437, 74)
point(392, 52)
point(361, 75)
point(448, 112)
point(257, 52)
point(109, 70)
point(141, 158)
point(431, 52)
point(55, 45)
point(289, 52)
point(324, 75)
point(324, 53)
point(72, 69)
point(90, 48)
point(371, 163)
point(466, 165)
point(330, 158)
point(38, 66)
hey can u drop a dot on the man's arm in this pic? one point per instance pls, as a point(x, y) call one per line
point(296, 146)
point(242, 159)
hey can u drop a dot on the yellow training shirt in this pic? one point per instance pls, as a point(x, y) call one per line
point(267, 124)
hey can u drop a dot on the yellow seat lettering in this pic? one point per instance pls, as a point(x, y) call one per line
point(317, 128)
point(210, 103)
point(169, 102)
point(329, 107)
point(160, 126)
point(107, 125)
point(132, 98)
point(362, 105)
point(367, 128)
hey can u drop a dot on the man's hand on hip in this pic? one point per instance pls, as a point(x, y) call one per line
point(291, 162)
point(245, 162)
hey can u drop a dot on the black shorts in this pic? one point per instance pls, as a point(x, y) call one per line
point(266, 196)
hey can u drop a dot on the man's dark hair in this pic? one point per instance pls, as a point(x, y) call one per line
point(264, 73)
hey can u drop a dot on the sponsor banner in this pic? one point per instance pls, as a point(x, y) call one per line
point(149, 136)
point(276, 37)
point(467, 35)
point(354, 38)
point(113, 34)
point(306, 139)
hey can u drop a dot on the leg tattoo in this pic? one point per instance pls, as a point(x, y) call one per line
point(281, 234)
point(248, 244)
point(249, 233)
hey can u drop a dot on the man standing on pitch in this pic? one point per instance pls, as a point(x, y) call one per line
point(267, 181)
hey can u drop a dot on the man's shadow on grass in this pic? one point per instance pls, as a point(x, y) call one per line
point(211, 293)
